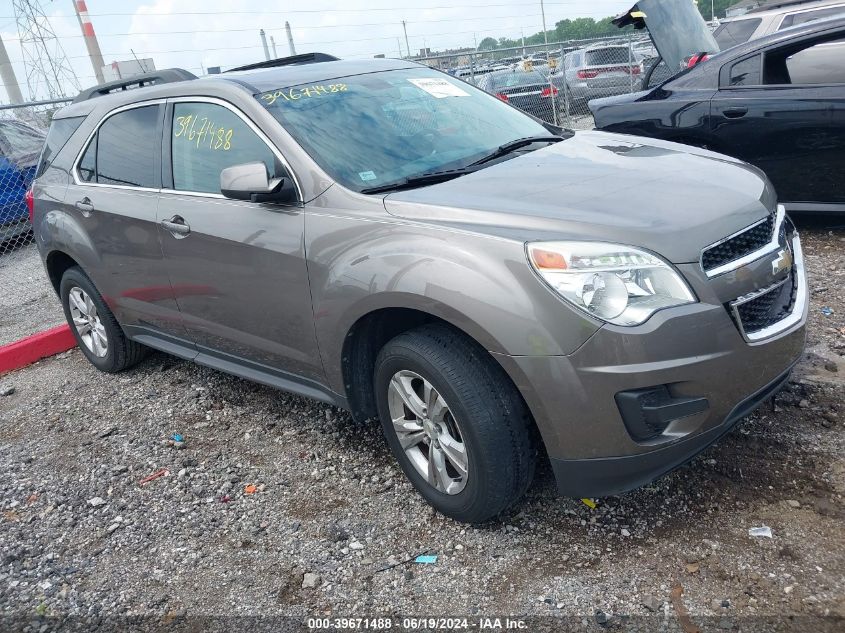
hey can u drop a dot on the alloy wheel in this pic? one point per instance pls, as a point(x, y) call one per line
point(428, 432)
point(87, 322)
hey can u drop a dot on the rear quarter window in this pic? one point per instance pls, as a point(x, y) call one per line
point(57, 137)
point(746, 72)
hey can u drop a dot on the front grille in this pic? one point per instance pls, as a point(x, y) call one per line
point(740, 245)
point(767, 307)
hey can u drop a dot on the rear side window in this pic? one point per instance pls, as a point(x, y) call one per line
point(126, 150)
point(205, 139)
point(60, 132)
point(605, 56)
point(808, 16)
point(736, 32)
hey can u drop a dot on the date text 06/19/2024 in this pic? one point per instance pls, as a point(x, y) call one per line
point(415, 624)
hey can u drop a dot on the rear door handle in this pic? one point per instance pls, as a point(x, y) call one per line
point(734, 113)
point(85, 206)
point(177, 226)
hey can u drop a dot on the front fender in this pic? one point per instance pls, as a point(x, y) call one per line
point(480, 284)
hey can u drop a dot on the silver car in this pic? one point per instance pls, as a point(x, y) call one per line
point(762, 21)
point(598, 71)
point(385, 238)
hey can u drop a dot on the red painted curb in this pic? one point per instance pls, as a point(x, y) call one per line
point(32, 348)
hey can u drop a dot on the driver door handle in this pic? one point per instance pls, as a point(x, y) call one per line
point(177, 226)
point(734, 113)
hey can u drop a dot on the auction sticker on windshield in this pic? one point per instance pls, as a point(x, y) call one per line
point(439, 88)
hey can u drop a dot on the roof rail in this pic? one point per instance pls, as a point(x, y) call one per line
point(293, 60)
point(166, 76)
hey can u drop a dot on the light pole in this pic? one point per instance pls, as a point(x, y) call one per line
point(546, 41)
point(407, 46)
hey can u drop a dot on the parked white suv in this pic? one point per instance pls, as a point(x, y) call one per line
point(760, 22)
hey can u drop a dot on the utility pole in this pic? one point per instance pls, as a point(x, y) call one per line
point(407, 46)
point(273, 46)
point(90, 37)
point(712, 10)
point(44, 59)
point(290, 38)
point(7, 72)
point(264, 44)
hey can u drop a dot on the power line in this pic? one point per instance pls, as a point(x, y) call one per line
point(258, 46)
point(303, 28)
point(333, 10)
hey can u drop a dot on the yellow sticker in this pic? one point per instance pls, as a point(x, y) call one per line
point(638, 14)
point(589, 503)
point(294, 94)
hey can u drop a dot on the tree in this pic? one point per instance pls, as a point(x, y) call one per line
point(487, 44)
point(719, 6)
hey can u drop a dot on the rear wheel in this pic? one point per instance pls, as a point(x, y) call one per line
point(455, 423)
point(95, 328)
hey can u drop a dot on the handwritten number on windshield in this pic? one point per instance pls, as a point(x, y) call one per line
point(294, 94)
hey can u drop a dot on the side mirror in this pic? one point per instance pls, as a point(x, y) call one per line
point(250, 181)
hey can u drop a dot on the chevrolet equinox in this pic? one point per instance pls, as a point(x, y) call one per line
point(388, 239)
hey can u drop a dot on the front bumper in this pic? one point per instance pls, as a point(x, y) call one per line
point(694, 352)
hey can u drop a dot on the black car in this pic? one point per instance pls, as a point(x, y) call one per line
point(777, 102)
point(528, 90)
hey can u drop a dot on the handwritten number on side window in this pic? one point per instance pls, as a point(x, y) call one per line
point(202, 130)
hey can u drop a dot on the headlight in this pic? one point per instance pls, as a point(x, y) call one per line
point(615, 283)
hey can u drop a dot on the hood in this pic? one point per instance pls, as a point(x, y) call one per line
point(676, 28)
point(668, 198)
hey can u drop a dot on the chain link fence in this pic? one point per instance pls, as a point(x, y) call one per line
point(27, 301)
point(555, 82)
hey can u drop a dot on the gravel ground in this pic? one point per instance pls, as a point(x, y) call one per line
point(28, 303)
point(276, 505)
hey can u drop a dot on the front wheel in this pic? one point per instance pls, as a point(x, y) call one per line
point(455, 423)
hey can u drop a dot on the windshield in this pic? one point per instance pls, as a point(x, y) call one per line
point(735, 32)
point(374, 129)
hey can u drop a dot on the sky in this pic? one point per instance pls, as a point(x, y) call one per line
point(196, 34)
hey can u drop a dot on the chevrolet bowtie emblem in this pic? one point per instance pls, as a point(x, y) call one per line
point(783, 262)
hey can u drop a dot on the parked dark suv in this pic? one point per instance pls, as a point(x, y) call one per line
point(388, 239)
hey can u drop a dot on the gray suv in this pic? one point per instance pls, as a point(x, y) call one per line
point(385, 238)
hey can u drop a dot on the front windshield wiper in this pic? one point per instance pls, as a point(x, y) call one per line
point(448, 174)
point(417, 181)
point(507, 148)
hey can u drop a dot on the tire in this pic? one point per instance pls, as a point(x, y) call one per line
point(118, 352)
point(484, 409)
